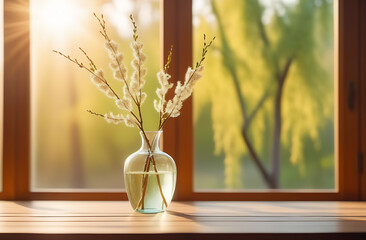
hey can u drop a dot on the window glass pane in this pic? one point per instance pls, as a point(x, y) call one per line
point(1, 91)
point(71, 148)
point(264, 112)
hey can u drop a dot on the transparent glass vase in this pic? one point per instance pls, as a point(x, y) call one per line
point(150, 176)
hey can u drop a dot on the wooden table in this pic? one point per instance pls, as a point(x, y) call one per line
point(184, 220)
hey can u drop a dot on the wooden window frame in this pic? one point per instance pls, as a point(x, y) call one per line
point(362, 152)
point(176, 29)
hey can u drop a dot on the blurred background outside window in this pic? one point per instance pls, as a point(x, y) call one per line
point(72, 149)
point(264, 112)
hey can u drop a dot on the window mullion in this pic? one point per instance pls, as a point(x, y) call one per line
point(178, 136)
point(348, 119)
point(16, 99)
point(362, 9)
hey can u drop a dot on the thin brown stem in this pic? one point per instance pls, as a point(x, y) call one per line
point(229, 63)
point(147, 164)
point(179, 96)
point(198, 64)
point(154, 164)
point(144, 183)
point(155, 169)
point(162, 100)
point(165, 120)
point(140, 114)
point(158, 179)
point(108, 39)
point(135, 37)
point(159, 120)
point(91, 62)
point(81, 65)
point(138, 123)
point(139, 78)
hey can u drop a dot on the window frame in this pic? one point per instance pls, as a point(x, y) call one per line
point(176, 22)
point(362, 152)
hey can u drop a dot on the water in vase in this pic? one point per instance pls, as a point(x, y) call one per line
point(153, 200)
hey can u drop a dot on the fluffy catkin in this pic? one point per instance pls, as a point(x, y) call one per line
point(183, 91)
point(119, 118)
point(161, 92)
point(98, 79)
point(138, 76)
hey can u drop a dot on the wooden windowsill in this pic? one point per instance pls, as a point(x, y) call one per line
point(183, 220)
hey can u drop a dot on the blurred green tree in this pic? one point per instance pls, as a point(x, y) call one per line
point(280, 86)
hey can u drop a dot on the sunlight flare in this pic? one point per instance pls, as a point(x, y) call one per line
point(57, 16)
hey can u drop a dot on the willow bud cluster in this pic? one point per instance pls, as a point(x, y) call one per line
point(132, 97)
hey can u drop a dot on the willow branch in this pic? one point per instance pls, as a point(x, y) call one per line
point(198, 65)
point(108, 39)
point(259, 105)
point(116, 119)
point(81, 65)
point(229, 63)
point(91, 62)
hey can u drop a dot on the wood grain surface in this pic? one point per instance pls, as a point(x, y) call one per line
point(183, 220)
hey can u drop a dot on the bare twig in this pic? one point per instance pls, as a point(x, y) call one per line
point(93, 67)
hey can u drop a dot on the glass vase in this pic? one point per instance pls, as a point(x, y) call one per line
point(150, 176)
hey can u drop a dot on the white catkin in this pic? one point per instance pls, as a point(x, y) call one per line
point(169, 107)
point(98, 79)
point(143, 96)
point(113, 66)
point(112, 47)
point(137, 78)
point(163, 79)
point(103, 88)
point(135, 63)
point(159, 93)
point(134, 87)
point(143, 73)
point(119, 57)
point(117, 66)
point(130, 122)
point(124, 104)
point(110, 94)
point(118, 76)
point(119, 118)
point(116, 119)
point(125, 91)
point(157, 105)
point(137, 46)
point(183, 91)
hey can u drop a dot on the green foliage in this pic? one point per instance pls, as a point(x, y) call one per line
point(252, 48)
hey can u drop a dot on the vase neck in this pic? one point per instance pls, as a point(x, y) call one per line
point(150, 139)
